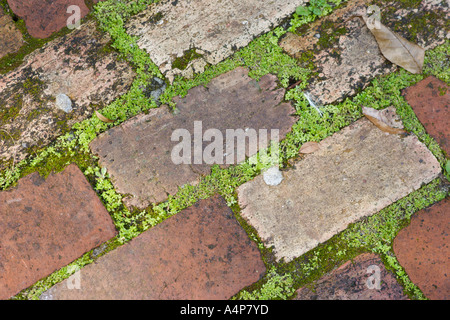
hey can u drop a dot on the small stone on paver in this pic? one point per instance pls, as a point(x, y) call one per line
point(42, 18)
point(355, 173)
point(169, 30)
point(10, 37)
point(346, 56)
point(430, 100)
point(422, 249)
point(201, 253)
point(355, 280)
point(138, 153)
point(46, 224)
point(75, 65)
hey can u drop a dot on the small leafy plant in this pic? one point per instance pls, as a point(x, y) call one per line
point(316, 7)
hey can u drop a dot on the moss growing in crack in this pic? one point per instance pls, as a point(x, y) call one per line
point(183, 61)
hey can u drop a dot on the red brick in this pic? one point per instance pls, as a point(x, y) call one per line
point(43, 17)
point(422, 249)
point(349, 282)
point(200, 253)
point(430, 100)
point(45, 225)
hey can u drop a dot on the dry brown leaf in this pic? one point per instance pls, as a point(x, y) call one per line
point(379, 119)
point(103, 118)
point(395, 48)
point(309, 147)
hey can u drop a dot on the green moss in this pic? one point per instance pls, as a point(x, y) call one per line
point(183, 61)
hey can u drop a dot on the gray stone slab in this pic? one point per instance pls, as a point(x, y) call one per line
point(355, 173)
point(168, 29)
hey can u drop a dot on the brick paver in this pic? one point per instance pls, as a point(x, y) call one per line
point(346, 55)
point(138, 153)
point(430, 100)
point(214, 29)
point(355, 280)
point(47, 223)
point(42, 18)
point(357, 172)
point(200, 253)
point(10, 37)
point(75, 65)
point(422, 249)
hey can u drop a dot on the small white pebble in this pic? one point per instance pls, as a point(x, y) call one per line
point(273, 176)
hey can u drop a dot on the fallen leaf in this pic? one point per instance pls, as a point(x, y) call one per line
point(379, 119)
point(103, 118)
point(309, 147)
point(395, 48)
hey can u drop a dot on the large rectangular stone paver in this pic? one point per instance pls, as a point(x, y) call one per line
point(363, 278)
point(79, 67)
point(430, 100)
point(422, 249)
point(345, 53)
point(200, 253)
point(138, 153)
point(169, 29)
point(46, 224)
point(355, 173)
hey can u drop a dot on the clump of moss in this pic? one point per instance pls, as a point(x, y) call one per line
point(183, 61)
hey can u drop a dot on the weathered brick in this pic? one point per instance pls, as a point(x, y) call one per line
point(200, 253)
point(345, 54)
point(357, 172)
point(430, 100)
point(422, 249)
point(42, 18)
point(355, 280)
point(76, 65)
point(47, 223)
point(138, 153)
point(169, 29)
point(10, 37)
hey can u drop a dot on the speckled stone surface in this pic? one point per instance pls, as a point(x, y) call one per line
point(430, 100)
point(344, 52)
point(10, 37)
point(355, 280)
point(47, 224)
point(201, 253)
point(355, 173)
point(75, 65)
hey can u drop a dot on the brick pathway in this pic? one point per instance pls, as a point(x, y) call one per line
point(201, 253)
point(356, 173)
point(271, 234)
